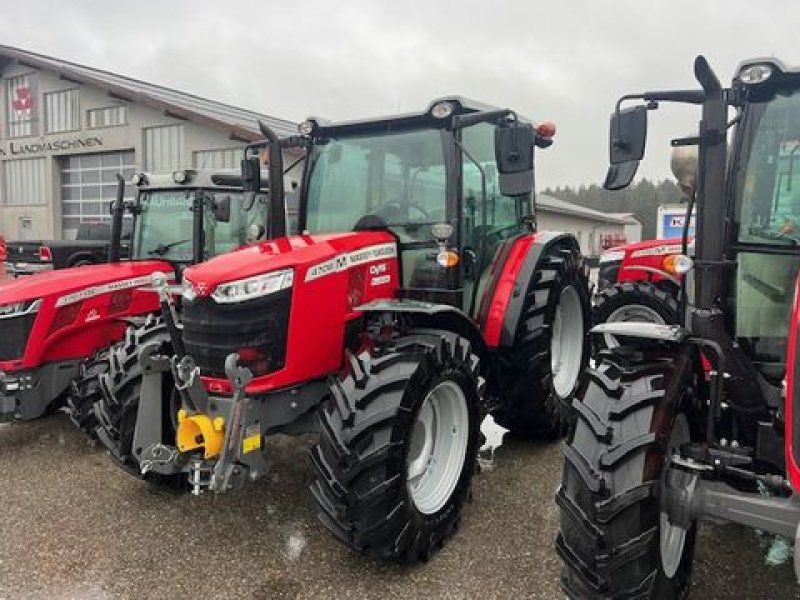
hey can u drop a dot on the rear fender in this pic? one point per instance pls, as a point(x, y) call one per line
point(504, 298)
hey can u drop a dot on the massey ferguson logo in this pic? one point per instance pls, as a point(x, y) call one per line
point(357, 257)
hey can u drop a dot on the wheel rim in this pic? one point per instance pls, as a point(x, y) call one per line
point(566, 342)
point(673, 537)
point(438, 447)
point(638, 313)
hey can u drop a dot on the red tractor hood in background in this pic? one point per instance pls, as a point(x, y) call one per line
point(82, 309)
point(62, 282)
point(647, 245)
point(295, 251)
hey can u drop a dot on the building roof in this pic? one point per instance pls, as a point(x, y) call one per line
point(556, 205)
point(240, 123)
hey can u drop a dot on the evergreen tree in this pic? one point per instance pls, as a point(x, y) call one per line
point(641, 199)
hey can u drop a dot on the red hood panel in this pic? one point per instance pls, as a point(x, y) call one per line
point(645, 244)
point(62, 282)
point(293, 251)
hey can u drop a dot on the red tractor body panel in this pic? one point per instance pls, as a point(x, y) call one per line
point(81, 309)
point(792, 410)
point(639, 261)
point(333, 274)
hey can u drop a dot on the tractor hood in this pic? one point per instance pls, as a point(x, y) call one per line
point(309, 255)
point(86, 281)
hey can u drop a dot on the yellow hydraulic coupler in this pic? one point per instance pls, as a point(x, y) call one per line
point(199, 431)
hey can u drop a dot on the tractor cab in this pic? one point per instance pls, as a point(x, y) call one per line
point(451, 183)
point(764, 216)
point(189, 216)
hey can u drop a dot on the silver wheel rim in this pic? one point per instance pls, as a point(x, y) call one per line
point(438, 447)
point(566, 342)
point(673, 537)
point(631, 313)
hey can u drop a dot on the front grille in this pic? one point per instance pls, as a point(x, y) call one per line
point(256, 329)
point(14, 336)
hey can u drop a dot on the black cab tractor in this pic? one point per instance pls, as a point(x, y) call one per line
point(418, 298)
point(697, 421)
point(55, 327)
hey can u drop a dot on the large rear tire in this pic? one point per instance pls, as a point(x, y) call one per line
point(629, 301)
point(612, 531)
point(84, 392)
point(116, 410)
point(551, 349)
point(399, 444)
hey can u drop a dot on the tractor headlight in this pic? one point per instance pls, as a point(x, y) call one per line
point(17, 309)
point(187, 290)
point(613, 256)
point(253, 287)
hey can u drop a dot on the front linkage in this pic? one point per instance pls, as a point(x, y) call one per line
point(218, 438)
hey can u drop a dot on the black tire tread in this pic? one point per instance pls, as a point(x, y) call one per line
point(531, 408)
point(359, 487)
point(609, 538)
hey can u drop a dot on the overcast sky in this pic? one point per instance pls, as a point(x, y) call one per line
point(565, 61)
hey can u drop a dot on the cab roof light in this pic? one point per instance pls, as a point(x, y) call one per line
point(756, 73)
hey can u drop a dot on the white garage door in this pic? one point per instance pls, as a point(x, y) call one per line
point(89, 184)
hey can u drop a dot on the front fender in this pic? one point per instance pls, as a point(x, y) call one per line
point(650, 331)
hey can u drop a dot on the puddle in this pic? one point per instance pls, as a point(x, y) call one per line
point(493, 434)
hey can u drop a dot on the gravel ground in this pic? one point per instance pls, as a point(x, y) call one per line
point(73, 526)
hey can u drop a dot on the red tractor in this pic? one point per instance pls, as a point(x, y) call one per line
point(697, 421)
point(637, 282)
point(55, 326)
point(417, 299)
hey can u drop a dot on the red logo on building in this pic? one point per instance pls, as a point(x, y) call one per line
point(23, 103)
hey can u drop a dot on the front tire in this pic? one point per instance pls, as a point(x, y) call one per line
point(118, 405)
point(84, 392)
point(551, 348)
point(612, 528)
point(398, 446)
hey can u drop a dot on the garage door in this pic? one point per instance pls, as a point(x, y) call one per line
point(89, 184)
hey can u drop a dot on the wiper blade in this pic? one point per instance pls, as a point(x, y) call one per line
point(162, 249)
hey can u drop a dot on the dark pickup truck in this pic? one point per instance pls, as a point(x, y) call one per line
point(88, 248)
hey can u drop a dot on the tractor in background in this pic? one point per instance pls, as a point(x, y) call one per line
point(697, 421)
point(55, 327)
point(637, 282)
point(417, 299)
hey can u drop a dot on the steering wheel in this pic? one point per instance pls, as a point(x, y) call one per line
point(392, 211)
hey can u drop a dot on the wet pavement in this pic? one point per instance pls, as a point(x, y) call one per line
point(73, 526)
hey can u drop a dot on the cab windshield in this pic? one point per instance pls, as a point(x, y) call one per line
point(398, 179)
point(768, 219)
point(164, 223)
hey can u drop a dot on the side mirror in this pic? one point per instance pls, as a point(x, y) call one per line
point(221, 207)
point(513, 144)
point(627, 137)
point(251, 174)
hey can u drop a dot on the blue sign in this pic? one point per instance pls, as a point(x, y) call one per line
point(672, 224)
